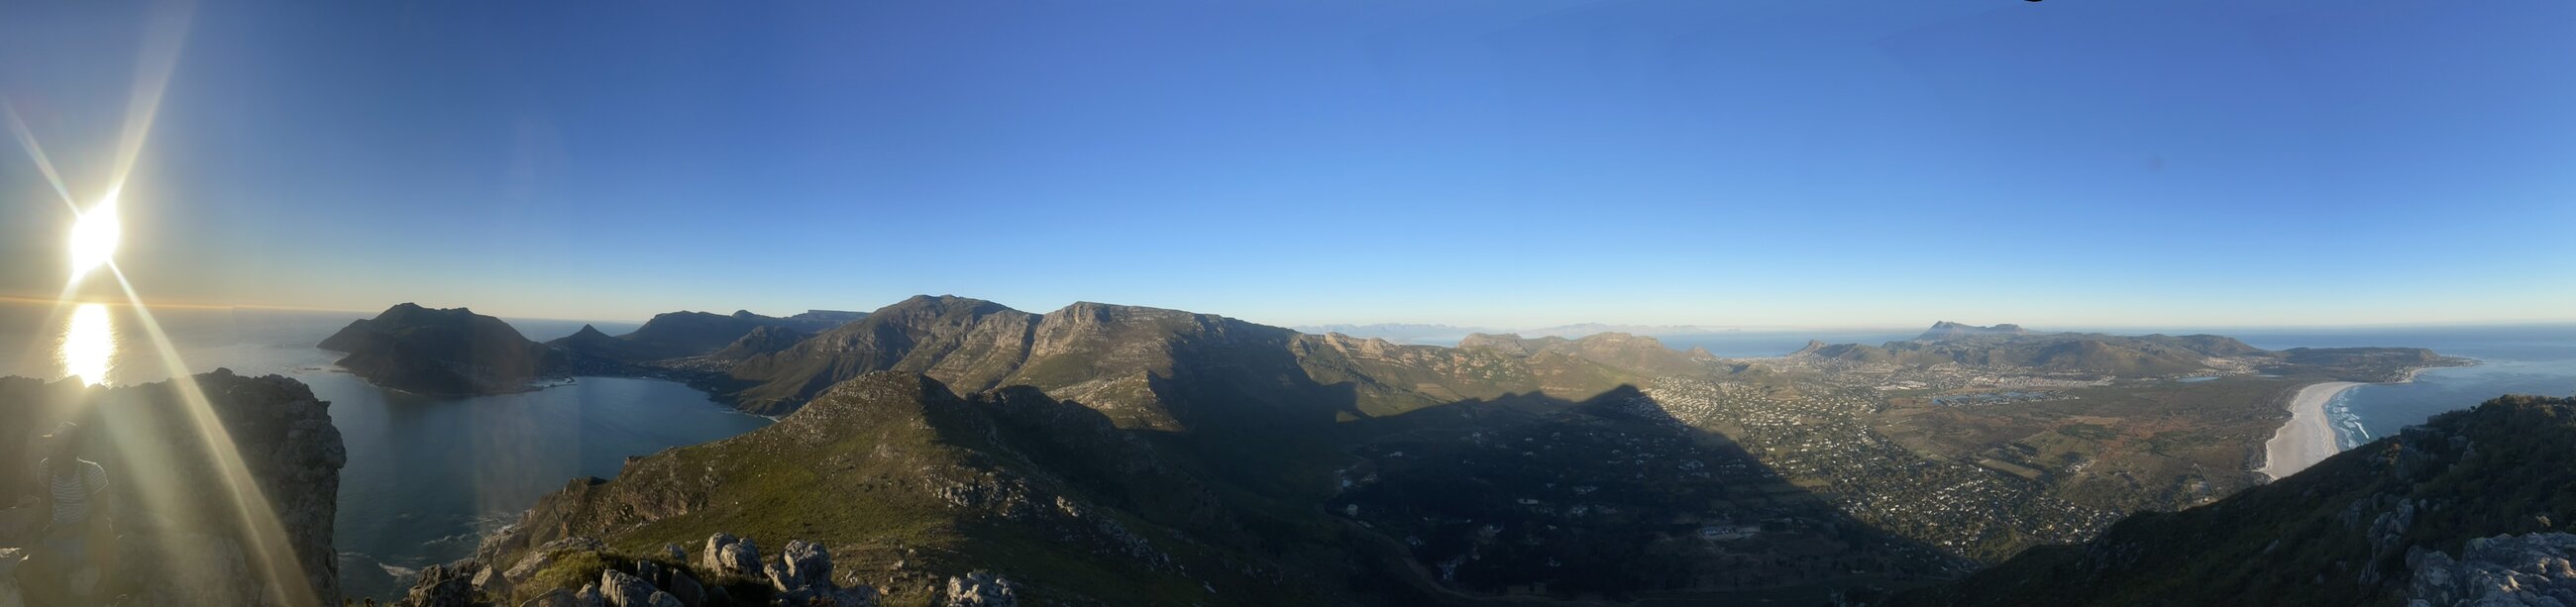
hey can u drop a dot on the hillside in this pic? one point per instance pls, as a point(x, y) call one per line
point(447, 352)
point(893, 470)
point(2376, 525)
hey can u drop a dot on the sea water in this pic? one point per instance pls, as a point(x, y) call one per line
point(426, 477)
point(2533, 359)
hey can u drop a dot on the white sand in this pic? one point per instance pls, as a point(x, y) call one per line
point(2309, 437)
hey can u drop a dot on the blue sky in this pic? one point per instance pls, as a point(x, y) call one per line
point(1476, 163)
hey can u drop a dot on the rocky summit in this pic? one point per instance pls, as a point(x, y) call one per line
point(725, 571)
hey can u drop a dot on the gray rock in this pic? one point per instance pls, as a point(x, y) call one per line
point(449, 585)
point(528, 567)
point(981, 589)
point(711, 558)
point(2534, 569)
point(742, 558)
point(728, 555)
point(622, 590)
point(589, 597)
point(800, 565)
point(663, 599)
point(488, 581)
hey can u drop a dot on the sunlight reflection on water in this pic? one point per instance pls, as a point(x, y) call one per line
point(89, 344)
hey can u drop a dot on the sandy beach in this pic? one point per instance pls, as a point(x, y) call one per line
point(2309, 437)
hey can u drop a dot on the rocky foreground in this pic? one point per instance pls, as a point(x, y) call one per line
point(179, 539)
point(726, 571)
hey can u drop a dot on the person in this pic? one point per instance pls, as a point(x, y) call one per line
point(71, 556)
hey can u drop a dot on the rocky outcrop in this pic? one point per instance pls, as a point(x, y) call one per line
point(243, 523)
point(2532, 569)
point(728, 555)
point(800, 577)
point(449, 352)
point(449, 585)
point(980, 589)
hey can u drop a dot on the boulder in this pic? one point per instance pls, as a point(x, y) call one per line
point(728, 555)
point(449, 585)
point(800, 565)
point(2533, 569)
point(980, 589)
point(621, 590)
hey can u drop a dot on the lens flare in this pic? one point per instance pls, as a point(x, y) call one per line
point(94, 237)
point(89, 344)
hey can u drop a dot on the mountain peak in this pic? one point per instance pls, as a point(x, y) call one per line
point(1952, 330)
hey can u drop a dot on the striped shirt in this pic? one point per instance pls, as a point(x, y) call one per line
point(72, 492)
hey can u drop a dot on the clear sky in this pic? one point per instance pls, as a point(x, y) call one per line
point(1476, 162)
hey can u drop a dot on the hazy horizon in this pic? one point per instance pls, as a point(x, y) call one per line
point(1463, 163)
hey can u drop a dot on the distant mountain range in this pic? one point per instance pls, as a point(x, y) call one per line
point(684, 334)
point(1131, 361)
point(456, 352)
point(1105, 453)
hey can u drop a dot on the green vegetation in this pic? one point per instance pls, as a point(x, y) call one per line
point(2086, 431)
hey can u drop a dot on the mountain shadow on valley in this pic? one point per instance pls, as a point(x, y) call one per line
point(1610, 498)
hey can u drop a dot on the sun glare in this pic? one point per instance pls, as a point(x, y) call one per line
point(89, 342)
point(94, 237)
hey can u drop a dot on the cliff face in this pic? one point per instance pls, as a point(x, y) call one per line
point(181, 531)
point(2433, 513)
point(450, 352)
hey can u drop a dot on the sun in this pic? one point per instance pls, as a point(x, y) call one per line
point(94, 237)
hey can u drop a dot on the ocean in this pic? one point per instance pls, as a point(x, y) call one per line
point(2526, 359)
point(426, 477)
